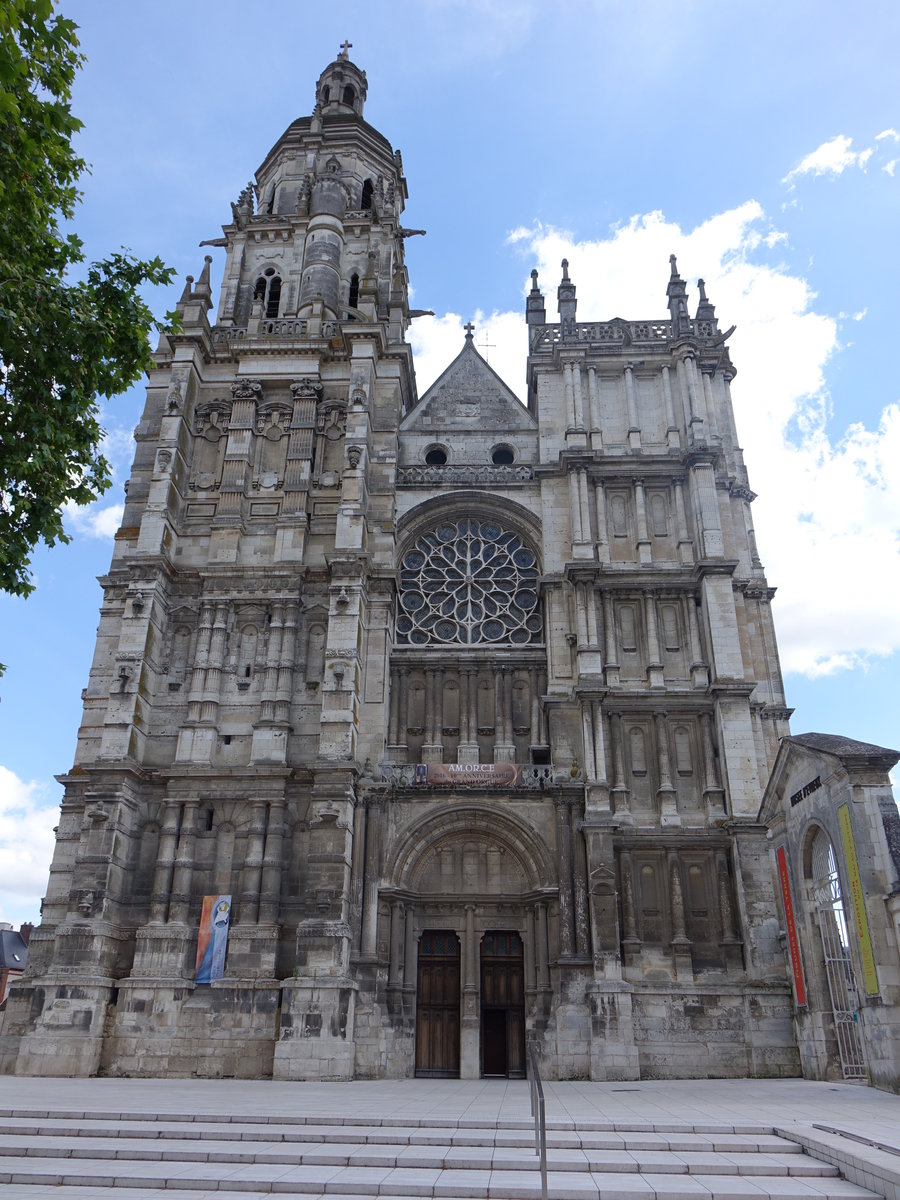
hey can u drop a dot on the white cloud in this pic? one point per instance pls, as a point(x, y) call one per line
point(888, 133)
point(28, 813)
point(891, 167)
point(831, 158)
point(825, 497)
point(95, 520)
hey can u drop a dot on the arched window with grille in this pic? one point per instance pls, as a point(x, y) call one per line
point(469, 582)
point(268, 290)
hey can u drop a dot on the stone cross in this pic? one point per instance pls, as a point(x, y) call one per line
point(470, 329)
point(345, 46)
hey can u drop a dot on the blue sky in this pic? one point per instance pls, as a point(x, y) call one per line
point(757, 141)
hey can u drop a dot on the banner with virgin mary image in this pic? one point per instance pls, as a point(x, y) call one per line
point(212, 939)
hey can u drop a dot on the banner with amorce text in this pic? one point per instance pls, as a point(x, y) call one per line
point(468, 774)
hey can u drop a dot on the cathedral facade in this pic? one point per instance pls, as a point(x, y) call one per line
point(462, 710)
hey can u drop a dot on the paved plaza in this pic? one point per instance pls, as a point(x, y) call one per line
point(83, 1139)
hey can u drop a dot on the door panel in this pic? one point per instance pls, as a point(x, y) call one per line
point(502, 1005)
point(437, 1005)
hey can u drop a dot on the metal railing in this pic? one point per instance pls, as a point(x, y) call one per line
point(539, 1114)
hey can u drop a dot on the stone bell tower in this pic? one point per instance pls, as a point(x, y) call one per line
point(226, 713)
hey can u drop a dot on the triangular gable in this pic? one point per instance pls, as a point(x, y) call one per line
point(469, 395)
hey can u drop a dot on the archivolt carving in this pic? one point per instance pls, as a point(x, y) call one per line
point(496, 831)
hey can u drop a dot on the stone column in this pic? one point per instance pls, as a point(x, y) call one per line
point(699, 669)
point(575, 509)
point(578, 396)
point(530, 954)
point(165, 863)
point(201, 659)
point(713, 792)
point(468, 716)
point(731, 941)
point(287, 658)
point(596, 417)
point(270, 890)
point(398, 935)
point(681, 947)
point(469, 1056)
point(498, 712)
point(587, 734)
point(183, 874)
point(358, 871)
point(611, 670)
point(696, 430)
point(602, 530)
point(209, 708)
point(542, 947)
point(582, 929)
point(631, 945)
point(685, 543)
point(409, 953)
point(655, 674)
point(564, 851)
point(673, 437)
point(403, 714)
point(571, 419)
point(644, 549)
point(251, 874)
point(370, 886)
point(619, 790)
point(394, 710)
point(432, 750)
point(668, 801)
point(634, 431)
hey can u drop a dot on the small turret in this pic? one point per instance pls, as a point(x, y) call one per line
point(677, 294)
point(706, 310)
point(565, 295)
point(535, 312)
point(342, 86)
point(203, 290)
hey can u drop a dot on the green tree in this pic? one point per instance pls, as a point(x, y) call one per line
point(69, 331)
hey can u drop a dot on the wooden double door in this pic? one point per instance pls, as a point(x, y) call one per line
point(502, 1005)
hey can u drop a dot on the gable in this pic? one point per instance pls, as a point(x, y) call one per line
point(469, 395)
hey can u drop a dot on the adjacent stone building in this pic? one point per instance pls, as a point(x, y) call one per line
point(465, 707)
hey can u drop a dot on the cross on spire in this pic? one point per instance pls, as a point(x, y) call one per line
point(470, 329)
point(345, 46)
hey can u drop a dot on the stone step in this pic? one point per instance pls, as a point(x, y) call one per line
point(419, 1157)
point(83, 1155)
point(763, 1142)
point(501, 1184)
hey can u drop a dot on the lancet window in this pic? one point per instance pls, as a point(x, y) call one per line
point(469, 582)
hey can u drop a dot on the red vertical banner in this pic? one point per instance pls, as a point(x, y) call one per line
point(793, 942)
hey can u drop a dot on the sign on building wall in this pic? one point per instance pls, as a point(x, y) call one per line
point(870, 975)
point(469, 774)
point(791, 927)
point(212, 940)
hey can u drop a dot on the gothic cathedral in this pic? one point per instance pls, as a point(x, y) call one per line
point(423, 729)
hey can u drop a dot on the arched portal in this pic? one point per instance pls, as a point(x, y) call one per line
point(827, 895)
point(474, 887)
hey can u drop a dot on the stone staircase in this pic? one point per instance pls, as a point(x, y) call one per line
point(83, 1154)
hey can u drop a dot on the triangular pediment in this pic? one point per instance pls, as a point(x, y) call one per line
point(469, 395)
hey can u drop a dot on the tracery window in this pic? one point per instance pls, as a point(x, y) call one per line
point(468, 582)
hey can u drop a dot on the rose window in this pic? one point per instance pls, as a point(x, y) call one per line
point(468, 582)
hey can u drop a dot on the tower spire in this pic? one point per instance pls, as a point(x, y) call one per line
point(677, 295)
point(565, 295)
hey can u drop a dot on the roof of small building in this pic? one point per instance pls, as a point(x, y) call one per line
point(834, 743)
point(13, 950)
